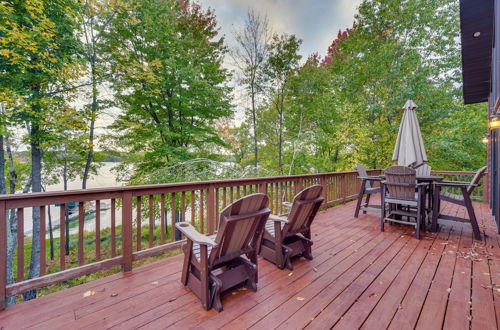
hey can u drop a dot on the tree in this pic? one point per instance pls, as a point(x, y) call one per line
point(250, 58)
point(95, 18)
point(169, 81)
point(38, 62)
point(283, 62)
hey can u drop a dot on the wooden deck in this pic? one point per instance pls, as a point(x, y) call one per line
point(359, 278)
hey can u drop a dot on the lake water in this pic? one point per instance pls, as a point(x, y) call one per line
point(104, 178)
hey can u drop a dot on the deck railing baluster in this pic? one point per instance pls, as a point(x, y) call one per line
point(162, 218)
point(43, 252)
point(97, 230)
point(62, 237)
point(151, 221)
point(172, 215)
point(20, 244)
point(113, 228)
point(81, 222)
point(139, 224)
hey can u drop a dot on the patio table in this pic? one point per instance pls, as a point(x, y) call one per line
point(430, 190)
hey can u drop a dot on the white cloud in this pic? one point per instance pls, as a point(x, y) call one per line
point(316, 22)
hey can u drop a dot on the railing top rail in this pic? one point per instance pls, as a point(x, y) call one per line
point(115, 192)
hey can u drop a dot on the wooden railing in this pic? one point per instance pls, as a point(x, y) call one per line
point(139, 221)
point(480, 193)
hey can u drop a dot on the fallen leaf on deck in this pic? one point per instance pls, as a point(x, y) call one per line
point(487, 274)
point(300, 298)
point(114, 294)
point(234, 293)
point(373, 294)
point(154, 283)
point(315, 269)
point(290, 274)
point(172, 299)
point(449, 290)
point(88, 294)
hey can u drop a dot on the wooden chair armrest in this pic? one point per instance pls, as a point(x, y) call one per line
point(191, 233)
point(274, 217)
point(462, 182)
point(370, 178)
point(454, 184)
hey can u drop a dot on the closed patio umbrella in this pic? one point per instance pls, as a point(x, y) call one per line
point(409, 149)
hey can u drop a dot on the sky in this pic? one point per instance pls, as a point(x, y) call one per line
point(316, 22)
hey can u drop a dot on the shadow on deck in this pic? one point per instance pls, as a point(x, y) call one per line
point(359, 277)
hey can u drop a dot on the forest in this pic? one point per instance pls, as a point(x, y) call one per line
point(172, 86)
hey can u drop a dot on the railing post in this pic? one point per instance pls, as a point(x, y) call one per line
point(211, 209)
point(127, 232)
point(298, 186)
point(322, 181)
point(344, 188)
point(3, 254)
point(486, 188)
point(263, 188)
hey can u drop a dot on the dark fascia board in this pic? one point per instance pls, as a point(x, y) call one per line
point(476, 16)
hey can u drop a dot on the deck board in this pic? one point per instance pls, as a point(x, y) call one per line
point(359, 278)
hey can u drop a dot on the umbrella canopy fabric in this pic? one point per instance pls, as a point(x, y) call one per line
point(409, 149)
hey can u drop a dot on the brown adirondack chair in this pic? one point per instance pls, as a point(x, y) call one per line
point(213, 264)
point(463, 198)
point(289, 236)
point(398, 192)
point(367, 189)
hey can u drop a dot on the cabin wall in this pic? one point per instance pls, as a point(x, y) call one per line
point(494, 109)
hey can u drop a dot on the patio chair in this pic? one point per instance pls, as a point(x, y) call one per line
point(367, 189)
point(289, 236)
point(213, 264)
point(424, 170)
point(463, 198)
point(398, 192)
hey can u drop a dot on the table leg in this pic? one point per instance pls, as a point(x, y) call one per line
point(436, 208)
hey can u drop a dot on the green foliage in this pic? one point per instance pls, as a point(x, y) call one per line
point(347, 107)
point(166, 63)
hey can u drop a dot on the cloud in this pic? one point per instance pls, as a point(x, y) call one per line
point(316, 22)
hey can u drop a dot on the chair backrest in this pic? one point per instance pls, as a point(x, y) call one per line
point(240, 227)
point(304, 208)
point(362, 173)
point(424, 170)
point(476, 179)
point(400, 182)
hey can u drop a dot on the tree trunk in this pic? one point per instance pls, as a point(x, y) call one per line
point(3, 188)
point(254, 120)
point(93, 117)
point(12, 224)
point(36, 186)
point(65, 187)
point(280, 136)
